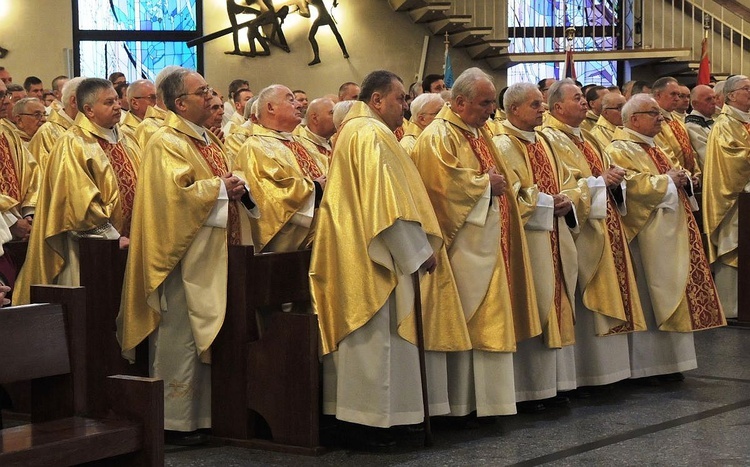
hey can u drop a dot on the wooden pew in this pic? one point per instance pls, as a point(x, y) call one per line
point(743, 266)
point(46, 344)
point(102, 272)
point(265, 368)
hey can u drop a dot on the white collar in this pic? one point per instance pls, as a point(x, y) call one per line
point(745, 116)
point(110, 134)
point(199, 130)
point(646, 139)
point(529, 136)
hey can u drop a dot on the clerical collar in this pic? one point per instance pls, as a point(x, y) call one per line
point(317, 138)
point(199, 130)
point(744, 116)
point(110, 134)
point(646, 139)
point(286, 135)
point(576, 131)
point(248, 124)
point(529, 136)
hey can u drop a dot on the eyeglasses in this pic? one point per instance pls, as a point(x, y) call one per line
point(619, 107)
point(746, 89)
point(200, 92)
point(151, 97)
point(652, 113)
point(36, 115)
point(4, 94)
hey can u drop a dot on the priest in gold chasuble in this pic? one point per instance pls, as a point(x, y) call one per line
point(19, 182)
point(87, 190)
point(174, 292)
point(423, 108)
point(607, 301)
point(609, 120)
point(155, 114)
point(546, 194)
point(58, 122)
point(726, 175)
point(375, 228)
point(470, 188)
point(678, 295)
point(286, 178)
point(673, 138)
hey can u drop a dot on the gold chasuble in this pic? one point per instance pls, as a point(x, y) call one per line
point(128, 125)
point(19, 175)
point(280, 174)
point(495, 285)
point(553, 252)
point(88, 186)
point(604, 263)
point(372, 184)
point(234, 141)
point(682, 290)
point(178, 188)
point(313, 143)
point(674, 141)
point(411, 133)
point(46, 136)
point(151, 122)
point(601, 134)
point(727, 174)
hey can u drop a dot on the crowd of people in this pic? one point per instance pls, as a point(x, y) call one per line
point(555, 230)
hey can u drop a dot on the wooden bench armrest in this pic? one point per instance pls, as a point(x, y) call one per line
point(140, 399)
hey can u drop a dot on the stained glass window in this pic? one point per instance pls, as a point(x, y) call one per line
point(137, 59)
point(538, 26)
point(137, 15)
point(136, 37)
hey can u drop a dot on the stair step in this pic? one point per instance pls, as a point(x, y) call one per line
point(488, 48)
point(470, 36)
point(406, 5)
point(453, 23)
point(431, 12)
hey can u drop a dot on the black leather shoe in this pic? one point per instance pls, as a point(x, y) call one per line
point(671, 378)
point(366, 438)
point(185, 438)
point(556, 402)
point(530, 407)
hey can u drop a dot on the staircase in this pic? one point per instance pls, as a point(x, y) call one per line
point(672, 46)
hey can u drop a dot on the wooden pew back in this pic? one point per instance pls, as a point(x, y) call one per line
point(267, 373)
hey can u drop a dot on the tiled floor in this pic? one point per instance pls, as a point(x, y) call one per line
point(702, 421)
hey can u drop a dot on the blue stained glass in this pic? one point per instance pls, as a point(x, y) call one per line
point(564, 13)
point(137, 59)
point(137, 15)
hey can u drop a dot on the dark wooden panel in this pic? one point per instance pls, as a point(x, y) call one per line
point(40, 350)
point(743, 252)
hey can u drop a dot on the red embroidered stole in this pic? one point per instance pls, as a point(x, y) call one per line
point(702, 298)
point(304, 159)
point(399, 132)
point(617, 240)
point(545, 179)
point(747, 126)
point(323, 150)
point(126, 176)
point(213, 156)
point(483, 154)
point(683, 139)
point(9, 184)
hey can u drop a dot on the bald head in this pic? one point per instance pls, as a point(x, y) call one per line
point(703, 100)
point(320, 117)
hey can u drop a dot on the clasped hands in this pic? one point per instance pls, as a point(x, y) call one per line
point(682, 177)
point(613, 176)
point(235, 186)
